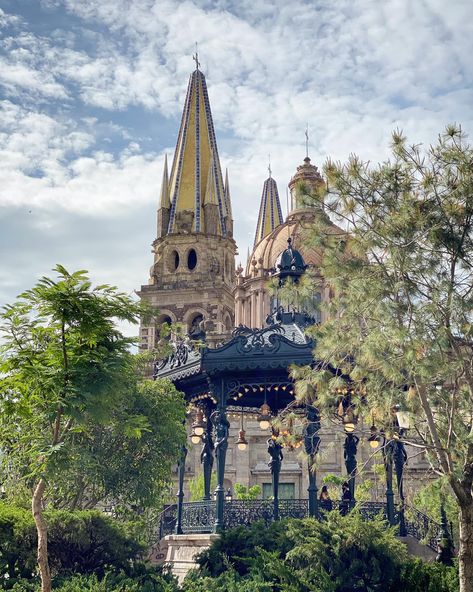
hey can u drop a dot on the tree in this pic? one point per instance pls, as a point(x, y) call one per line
point(67, 374)
point(253, 492)
point(401, 315)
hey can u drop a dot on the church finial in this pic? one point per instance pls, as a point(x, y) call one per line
point(307, 141)
point(269, 165)
point(196, 57)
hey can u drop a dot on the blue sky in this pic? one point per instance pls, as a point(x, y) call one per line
point(91, 93)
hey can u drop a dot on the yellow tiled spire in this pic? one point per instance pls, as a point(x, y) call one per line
point(164, 201)
point(270, 213)
point(196, 161)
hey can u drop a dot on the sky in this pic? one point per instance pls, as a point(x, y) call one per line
point(91, 94)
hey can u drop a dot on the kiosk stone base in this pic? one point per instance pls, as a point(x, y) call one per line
point(182, 549)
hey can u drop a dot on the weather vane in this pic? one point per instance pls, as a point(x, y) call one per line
point(196, 57)
point(269, 164)
point(307, 141)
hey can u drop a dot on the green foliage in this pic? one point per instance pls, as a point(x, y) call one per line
point(340, 554)
point(247, 493)
point(73, 409)
point(228, 581)
point(428, 499)
point(79, 542)
point(126, 461)
point(196, 486)
point(400, 265)
point(139, 579)
point(236, 547)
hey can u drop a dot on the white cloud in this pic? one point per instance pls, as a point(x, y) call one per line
point(353, 69)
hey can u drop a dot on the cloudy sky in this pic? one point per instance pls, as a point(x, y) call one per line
point(91, 93)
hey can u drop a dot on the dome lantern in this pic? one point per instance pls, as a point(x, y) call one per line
point(289, 263)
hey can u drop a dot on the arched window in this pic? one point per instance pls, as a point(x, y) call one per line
point(195, 326)
point(228, 323)
point(192, 259)
point(163, 323)
point(173, 260)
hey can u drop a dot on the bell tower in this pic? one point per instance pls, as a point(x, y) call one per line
point(193, 273)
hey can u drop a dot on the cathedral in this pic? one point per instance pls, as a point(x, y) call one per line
point(193, 281)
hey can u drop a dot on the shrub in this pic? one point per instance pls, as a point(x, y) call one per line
point(340, 554)
point(236, 547)
point(79, 542)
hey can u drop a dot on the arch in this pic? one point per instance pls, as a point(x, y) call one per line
point(192, 319)
point(227, 321)
point(165, 318)
point(173, 260)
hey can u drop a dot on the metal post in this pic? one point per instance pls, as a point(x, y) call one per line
point(388, 465)
point(207, 457)
point(350, 449)
point(400, 459)
point(312, 490)
point(221, 445)
point(181, 469)
point(445, 540)
point(312, 444)
point(275, 452)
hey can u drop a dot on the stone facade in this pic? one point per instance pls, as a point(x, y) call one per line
point(191, 282)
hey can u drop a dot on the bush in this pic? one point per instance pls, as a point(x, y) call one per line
point(340, 554)
point(419, 576)
point(140, 580)
point(79, 542)
point(236, 547)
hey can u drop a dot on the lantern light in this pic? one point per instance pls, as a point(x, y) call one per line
point(198, 426)
point(373, 439)
point(242, 442)
point(195, 438)
point(264, 417)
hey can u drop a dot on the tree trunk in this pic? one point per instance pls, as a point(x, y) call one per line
point(465, 552)
point(41, 528)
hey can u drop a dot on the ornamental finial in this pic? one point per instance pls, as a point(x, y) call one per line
point(196, 57)
point(307, 141)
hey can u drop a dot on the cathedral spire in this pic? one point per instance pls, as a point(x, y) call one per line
point(164, 202)
point(195, 162)
point(228, 199)
point(270, 213)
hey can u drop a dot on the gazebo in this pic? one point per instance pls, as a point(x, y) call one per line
point(250, 374)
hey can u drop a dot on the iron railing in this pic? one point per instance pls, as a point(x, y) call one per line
point(199, 517)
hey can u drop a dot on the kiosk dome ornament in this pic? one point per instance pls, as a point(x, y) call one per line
point(290, 263)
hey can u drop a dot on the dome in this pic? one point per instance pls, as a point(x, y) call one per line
point(268, 249)
point(308, 175)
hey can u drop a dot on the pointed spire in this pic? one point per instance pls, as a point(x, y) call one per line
point(164, 201)
point(195, 160)
point(211, 189)
point(270, 213)
point(228, 199)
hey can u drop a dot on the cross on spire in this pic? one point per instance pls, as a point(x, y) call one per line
point(196, 57)
point(269, 164)
point(307, 141)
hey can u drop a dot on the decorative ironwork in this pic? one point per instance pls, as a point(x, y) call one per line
point(167, 522)
point(258, 340)
point(240, 512)
point(198, 516)
point(297, 508)
point(422, 528)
